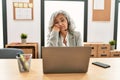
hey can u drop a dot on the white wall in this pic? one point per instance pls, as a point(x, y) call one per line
point(97, 31)
point(100, 31)
point(32, 28)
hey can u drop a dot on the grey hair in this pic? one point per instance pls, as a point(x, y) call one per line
point(71, 25)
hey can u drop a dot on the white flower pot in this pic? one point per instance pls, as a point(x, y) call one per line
point(23, 40)
point(112, 47)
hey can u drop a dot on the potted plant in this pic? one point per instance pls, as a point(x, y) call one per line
point(23, 37)
point(112, 44)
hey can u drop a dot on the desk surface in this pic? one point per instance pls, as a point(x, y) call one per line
point(9, 71)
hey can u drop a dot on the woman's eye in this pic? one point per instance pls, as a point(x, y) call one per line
point(62, 20)
point(56, 22)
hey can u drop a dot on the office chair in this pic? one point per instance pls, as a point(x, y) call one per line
point(10, 53)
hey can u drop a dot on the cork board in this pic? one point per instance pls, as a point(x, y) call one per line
point(23, 10)
point(102, 15)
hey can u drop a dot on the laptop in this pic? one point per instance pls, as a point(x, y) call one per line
point(65, 59)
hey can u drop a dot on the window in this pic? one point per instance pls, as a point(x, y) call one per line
point(76, 10)
point(117, 24)
point(1, 26)
point(118, 28)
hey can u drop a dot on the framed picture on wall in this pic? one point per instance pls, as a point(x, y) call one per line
point(76, 10)
point(23, 10)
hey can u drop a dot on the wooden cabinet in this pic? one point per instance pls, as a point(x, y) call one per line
point(28, 48)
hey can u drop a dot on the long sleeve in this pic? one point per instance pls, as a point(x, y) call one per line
point(53, 39)
point(78, 39)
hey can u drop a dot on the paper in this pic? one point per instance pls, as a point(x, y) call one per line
point(23, 13)
point(15, 4)
point(30, 5)
point(20, 5)
point(21, 0)
point(99, 4)
point(25, 5)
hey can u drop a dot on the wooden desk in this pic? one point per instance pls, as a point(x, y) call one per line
point(9, 71)
point(27, 48)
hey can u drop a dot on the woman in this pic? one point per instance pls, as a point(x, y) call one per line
point(62, 32)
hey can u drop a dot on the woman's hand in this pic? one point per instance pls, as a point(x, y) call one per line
point(56, 28)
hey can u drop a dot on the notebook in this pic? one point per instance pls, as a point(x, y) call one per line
point(65, 59)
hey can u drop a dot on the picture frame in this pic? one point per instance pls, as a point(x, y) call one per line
point(23, 10)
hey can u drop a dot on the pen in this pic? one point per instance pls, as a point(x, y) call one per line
point(23, 62)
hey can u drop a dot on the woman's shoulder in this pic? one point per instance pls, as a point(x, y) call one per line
point(76, 33)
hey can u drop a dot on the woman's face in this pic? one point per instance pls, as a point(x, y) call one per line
point(61, 22)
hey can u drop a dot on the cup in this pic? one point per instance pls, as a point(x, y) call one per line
point(24, 62)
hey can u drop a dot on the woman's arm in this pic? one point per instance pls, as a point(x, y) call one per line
point(53, 39)
point(78, 39)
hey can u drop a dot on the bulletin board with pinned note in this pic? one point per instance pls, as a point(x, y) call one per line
point(23, 10)
point(101, 10)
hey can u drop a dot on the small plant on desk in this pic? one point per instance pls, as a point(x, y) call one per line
point(23, 37)
point(112, 44)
